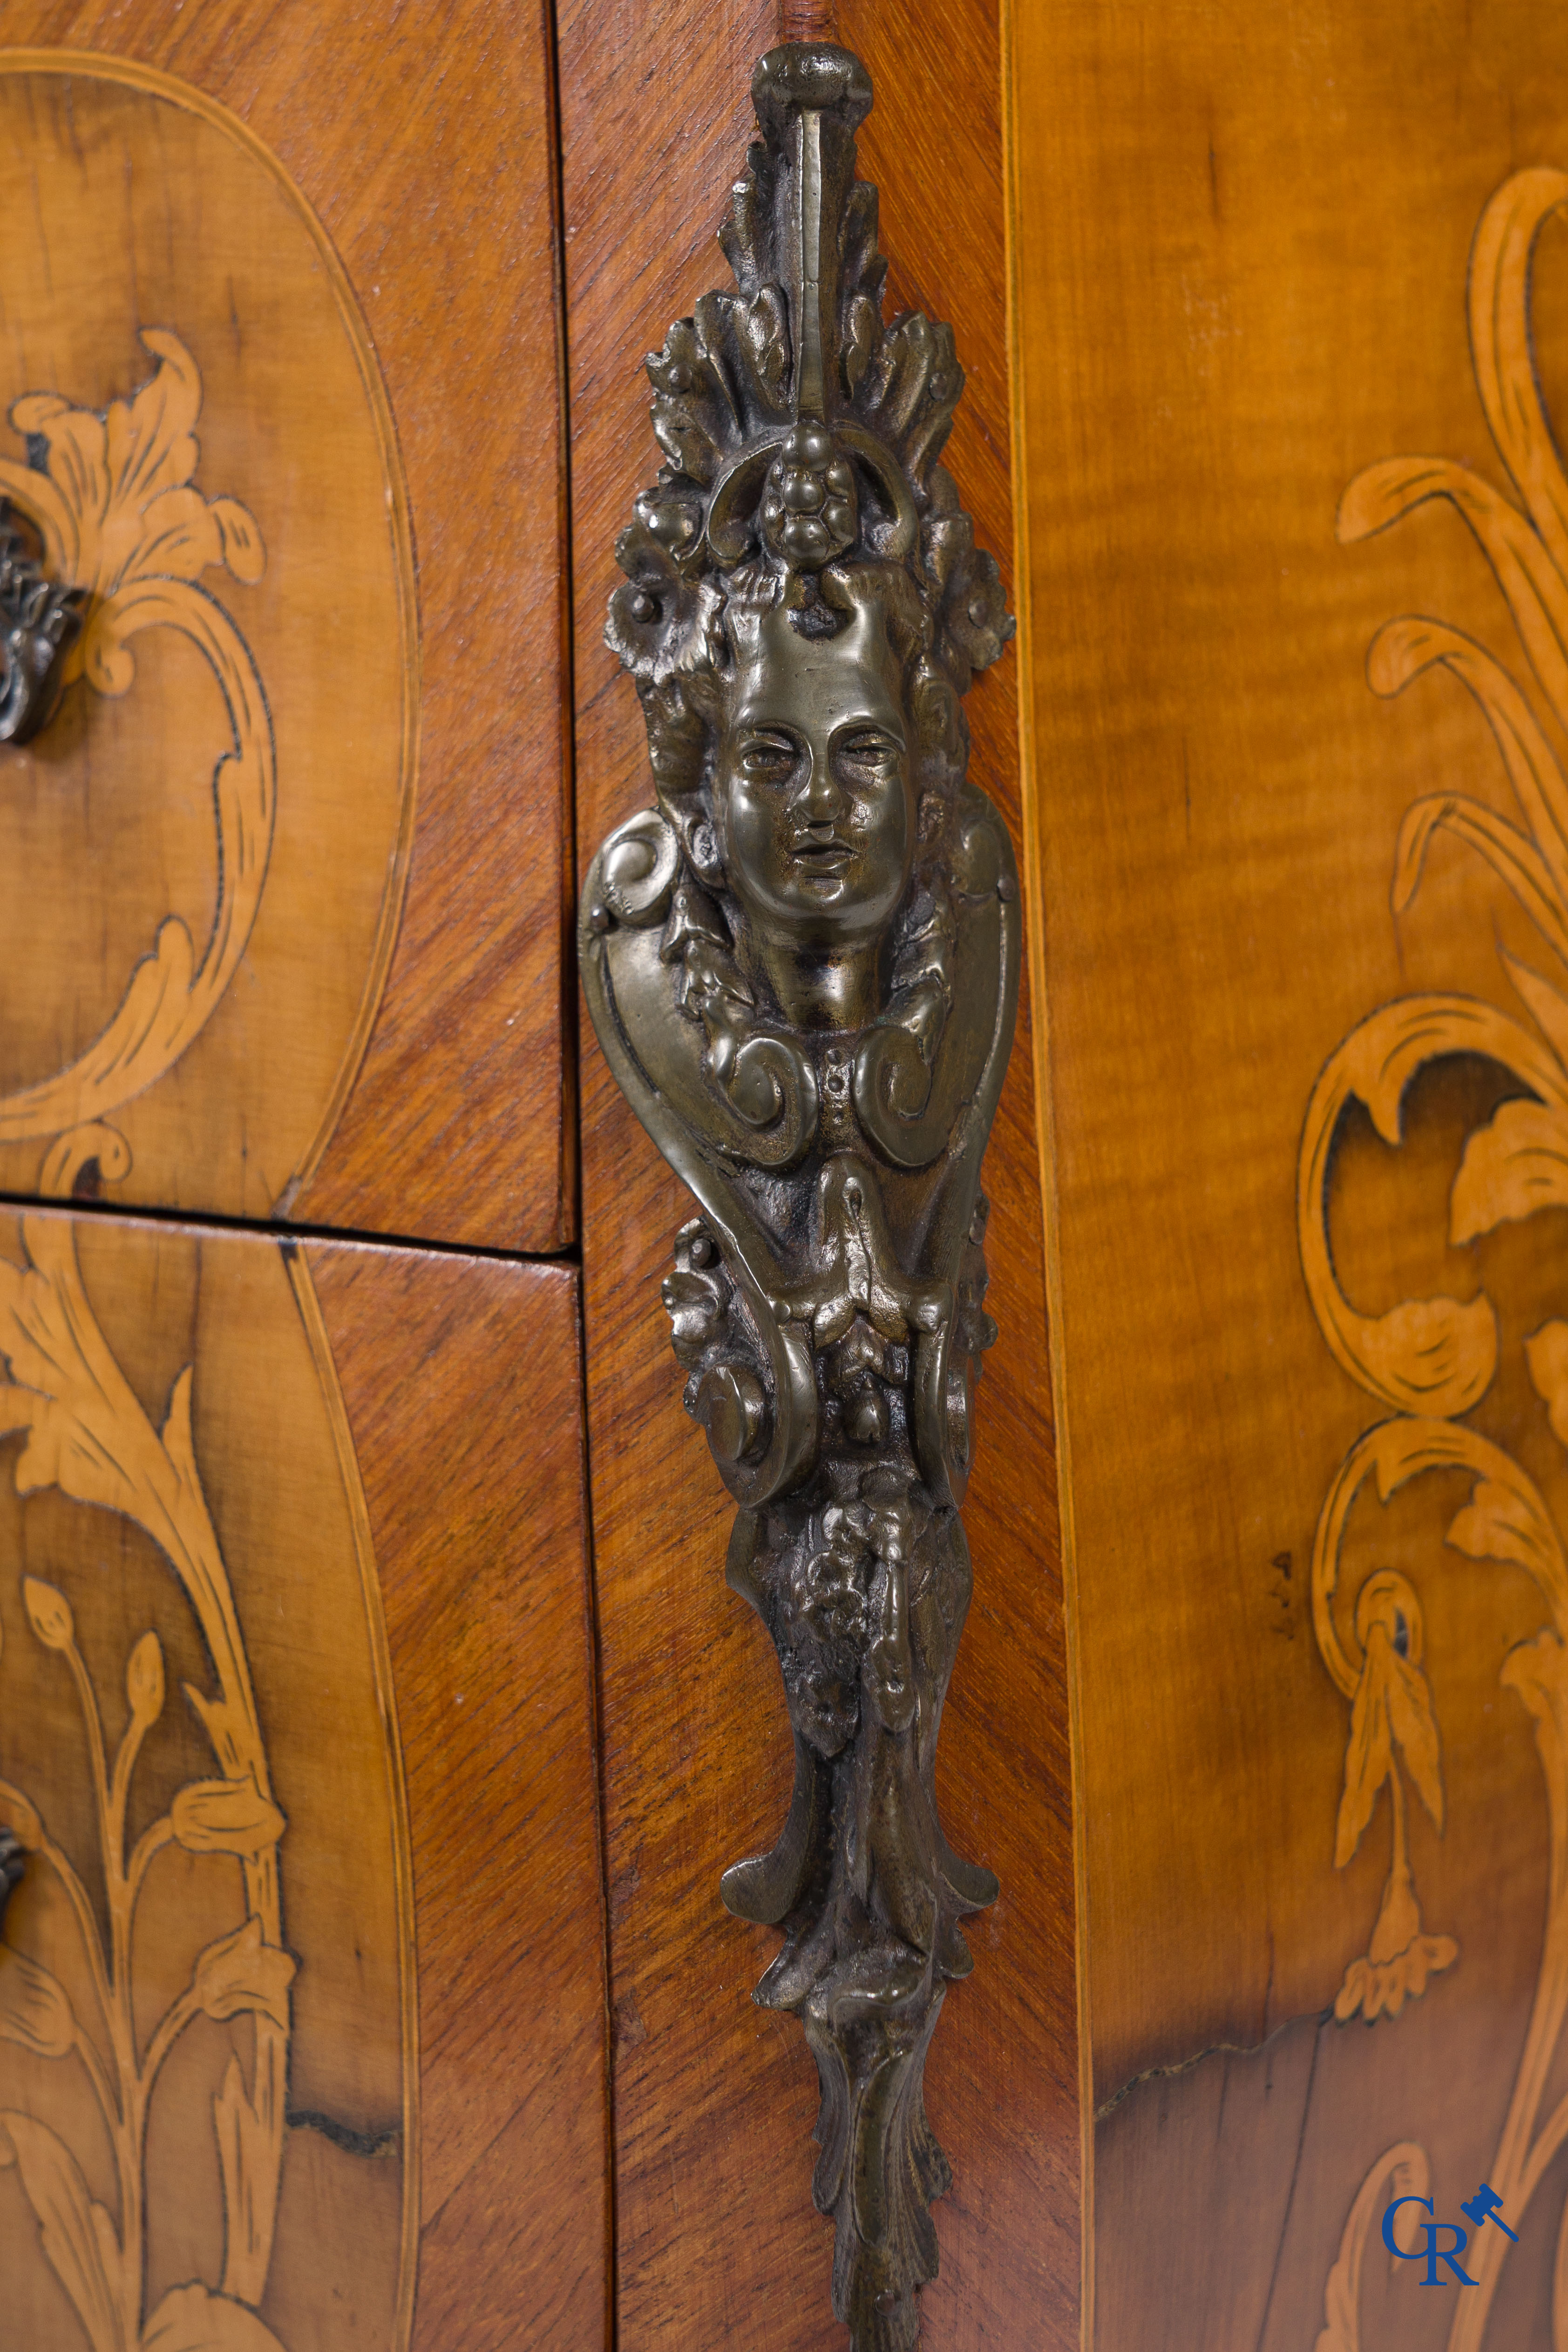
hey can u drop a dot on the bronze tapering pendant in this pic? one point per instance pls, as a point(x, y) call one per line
point(801, 963)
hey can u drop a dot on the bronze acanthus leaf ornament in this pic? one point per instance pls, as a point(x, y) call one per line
point(801, 963)
point(39, 623)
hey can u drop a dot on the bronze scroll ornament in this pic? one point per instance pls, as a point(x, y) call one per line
point(802, 964)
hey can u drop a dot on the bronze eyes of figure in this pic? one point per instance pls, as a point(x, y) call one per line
point(858, 757)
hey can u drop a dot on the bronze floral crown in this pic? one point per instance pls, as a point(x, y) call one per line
point(801, 434)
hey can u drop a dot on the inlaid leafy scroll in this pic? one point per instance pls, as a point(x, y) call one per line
point(114, 498)
point(1430, 1361)
point(802, 966)
point(85, 1434)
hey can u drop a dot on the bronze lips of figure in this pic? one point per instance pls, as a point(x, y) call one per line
point(802, 965)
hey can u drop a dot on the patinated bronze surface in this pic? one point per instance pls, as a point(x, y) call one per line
point(39, 623)
point(802, 965)
point(11, 1867)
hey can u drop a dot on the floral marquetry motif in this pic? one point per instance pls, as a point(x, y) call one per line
point(124, 529)
point(1431, 1362)
point(204, 852)
point(802, 964)
point(177, 2130)
point(204, 1977)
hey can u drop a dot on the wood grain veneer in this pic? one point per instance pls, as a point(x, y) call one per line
point(423, 136)
point(477, 1516)
point(304, 1435)
point(1243, 245)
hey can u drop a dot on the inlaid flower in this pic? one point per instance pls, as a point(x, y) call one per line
point(87, 1433)
point(1391, 1710)
point(1438, 1355)
point(1400, 1961)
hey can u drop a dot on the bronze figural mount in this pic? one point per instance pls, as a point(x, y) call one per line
point(802, 964)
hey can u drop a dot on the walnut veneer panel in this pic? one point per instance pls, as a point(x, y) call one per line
point(422, 136)
point(714, 2099)
point(1315, 1820)
point(331, 1934)
point(478, 1516)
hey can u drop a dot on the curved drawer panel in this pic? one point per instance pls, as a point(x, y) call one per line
point(204, 851)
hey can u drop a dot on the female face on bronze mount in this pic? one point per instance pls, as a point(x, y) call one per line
point(812, 794)
point(811, 798)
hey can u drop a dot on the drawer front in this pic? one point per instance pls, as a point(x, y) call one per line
point(283, 882)
point(301, 1990)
